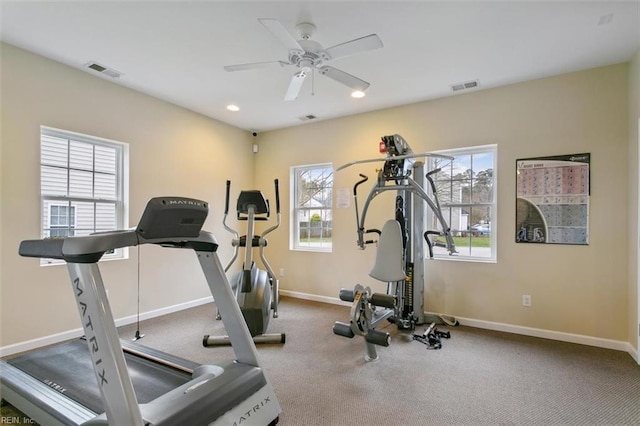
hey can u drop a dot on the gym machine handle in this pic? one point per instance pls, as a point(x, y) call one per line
point(372, 231)
point(428, 176)
point(360, 182)
point(355, 203)
point(277, 196)
point(429, 243)
point(451, 247)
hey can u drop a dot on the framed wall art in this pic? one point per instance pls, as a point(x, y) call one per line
point(552, 199)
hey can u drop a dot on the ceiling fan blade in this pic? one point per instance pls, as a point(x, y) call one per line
point(254, 65)
point(296, 84)
point(280, 32)
point(370, 42)
point(345, 78)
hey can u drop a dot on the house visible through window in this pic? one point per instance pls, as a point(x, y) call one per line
point(312, 195)
point(466, 188)
point(62, 221)
point(82, 185)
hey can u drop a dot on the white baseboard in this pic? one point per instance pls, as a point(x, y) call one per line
point(633, 352)
point(548, 334)
point(508, 328)
point(163, 311)
point(488, 325)
point(74, 334)
point(314, 297)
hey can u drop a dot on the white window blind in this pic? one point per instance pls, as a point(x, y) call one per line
point(82, 184)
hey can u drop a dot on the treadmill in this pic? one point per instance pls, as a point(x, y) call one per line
point(101, 379)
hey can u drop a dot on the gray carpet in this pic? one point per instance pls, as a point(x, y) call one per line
point(479, 377)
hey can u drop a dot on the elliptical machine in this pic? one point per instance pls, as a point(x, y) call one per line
point(256, 290)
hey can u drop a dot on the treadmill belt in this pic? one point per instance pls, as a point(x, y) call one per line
point(68, 369)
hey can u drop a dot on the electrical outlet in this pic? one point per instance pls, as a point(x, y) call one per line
point(526, 300)
point(282, 272)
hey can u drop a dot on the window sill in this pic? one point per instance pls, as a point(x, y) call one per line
point(457, 258)
point(312, 249)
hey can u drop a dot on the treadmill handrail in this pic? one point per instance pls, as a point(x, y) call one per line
point(91, 248)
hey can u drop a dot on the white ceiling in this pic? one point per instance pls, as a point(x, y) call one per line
point(176, 51)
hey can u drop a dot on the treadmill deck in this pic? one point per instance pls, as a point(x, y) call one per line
point(67, 368)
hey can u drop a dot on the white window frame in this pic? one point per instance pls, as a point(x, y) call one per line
point(464, 253)
point(294, 231)
point(121, 189)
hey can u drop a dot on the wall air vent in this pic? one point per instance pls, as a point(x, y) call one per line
point(466, 85)
point(307, 117)
point(103, 70)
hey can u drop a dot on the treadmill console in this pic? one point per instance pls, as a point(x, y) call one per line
point(170, 217)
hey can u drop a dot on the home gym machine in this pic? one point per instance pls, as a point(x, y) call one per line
point(101, 379)
point(400, 254)
point(256, 290)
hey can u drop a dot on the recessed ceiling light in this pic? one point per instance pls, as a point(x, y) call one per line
point(232, 107)
point(357, 94)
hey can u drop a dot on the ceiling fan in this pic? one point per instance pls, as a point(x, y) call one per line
point(309, 55)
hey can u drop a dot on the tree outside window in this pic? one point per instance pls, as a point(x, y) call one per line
point(312, 200)
point(466, 190)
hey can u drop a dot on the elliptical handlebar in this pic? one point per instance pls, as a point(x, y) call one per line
point(274, 227)
point(226, 199)
point(236, 235)
point(277, 195)
point(275, 288)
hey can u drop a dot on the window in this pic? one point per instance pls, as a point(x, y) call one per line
point(311, 203)
point(466, 189)
point(82, 185)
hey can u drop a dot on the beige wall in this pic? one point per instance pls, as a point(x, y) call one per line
point(575, 289)
point(634, 142)
point(172, 152)
point(588, 290)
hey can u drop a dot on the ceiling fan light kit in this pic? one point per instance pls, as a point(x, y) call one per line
point(309, 55)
